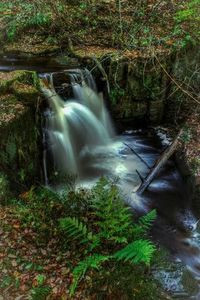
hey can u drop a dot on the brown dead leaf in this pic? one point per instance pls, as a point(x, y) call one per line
point(16, 225)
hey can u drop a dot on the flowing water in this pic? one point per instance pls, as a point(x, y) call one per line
point(77, 126)
point(79, 138)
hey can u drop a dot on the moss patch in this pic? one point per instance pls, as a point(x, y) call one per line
point(10, 109)
point(24, 92)
point(7, 79)
point(26, 46)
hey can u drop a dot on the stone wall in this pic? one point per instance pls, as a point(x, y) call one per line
point(140, 88)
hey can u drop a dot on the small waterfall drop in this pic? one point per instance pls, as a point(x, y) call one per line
point(75, 126)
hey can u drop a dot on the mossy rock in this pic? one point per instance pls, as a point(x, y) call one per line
point(7, 79)
point(19, 134)
point(10, 110)
point(25, 48)
point(24, 92)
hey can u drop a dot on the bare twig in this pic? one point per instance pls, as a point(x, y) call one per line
point(140, 176)
point(144, 162)
point(176, 83)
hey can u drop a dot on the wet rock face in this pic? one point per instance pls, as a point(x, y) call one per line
point(138, 89)
point(19, 155)
point(144, 87)
point(185, 71)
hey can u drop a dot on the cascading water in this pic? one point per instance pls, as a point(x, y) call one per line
point(78, 125)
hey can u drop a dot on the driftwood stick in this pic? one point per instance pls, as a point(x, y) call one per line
point(139, 175)
point(144, 162)
point(159, 164)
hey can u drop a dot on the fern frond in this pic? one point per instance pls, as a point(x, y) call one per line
point(74, 229)
point(79, 271)
point(114, 219)
point(136, 252)
point(147, 220)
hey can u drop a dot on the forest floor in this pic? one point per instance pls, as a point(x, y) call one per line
point(128, 25)
point(37, 260)
point(23, 265)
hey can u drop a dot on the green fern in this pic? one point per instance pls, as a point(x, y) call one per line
point(147, 220)
point(137, 252)
point(75, 229)
point(140, 251)
point(40, 293)
point(114, 219)
point(79, 271)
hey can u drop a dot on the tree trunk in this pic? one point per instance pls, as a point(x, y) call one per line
point(158, 165)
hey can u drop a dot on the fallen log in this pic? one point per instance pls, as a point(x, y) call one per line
point(159, 164)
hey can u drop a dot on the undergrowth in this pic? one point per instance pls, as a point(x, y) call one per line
point(122, 24)
point(101, 231)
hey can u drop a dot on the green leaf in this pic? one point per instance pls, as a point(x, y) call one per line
point(40, 279)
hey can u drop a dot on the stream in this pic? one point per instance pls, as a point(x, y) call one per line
point(176, 227)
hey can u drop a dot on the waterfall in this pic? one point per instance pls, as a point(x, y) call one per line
point(77, 125)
